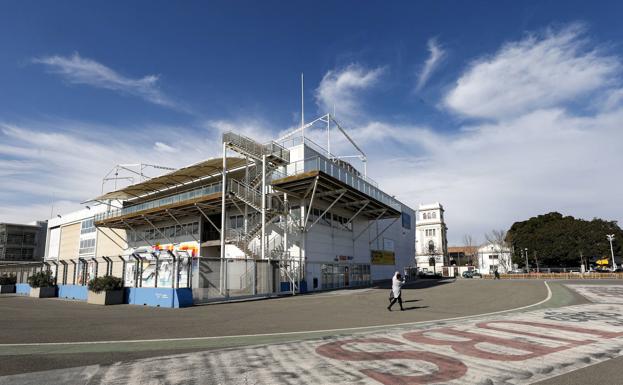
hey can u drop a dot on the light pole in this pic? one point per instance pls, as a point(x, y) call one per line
point(527, 264)
point(611, 238)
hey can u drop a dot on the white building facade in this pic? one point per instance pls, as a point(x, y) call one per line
point(431, 244)
point(266, 217)
point(492, 257)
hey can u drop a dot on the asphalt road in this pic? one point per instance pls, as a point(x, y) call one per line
point(36, 321)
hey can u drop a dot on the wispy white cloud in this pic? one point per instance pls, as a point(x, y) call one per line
point(343, 89)
point(539, 71)
point(78, 70)
point(436, 55)
point(42, 162)
point(533, 154)
point(163, 147)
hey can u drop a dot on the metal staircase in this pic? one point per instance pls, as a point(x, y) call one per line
point(267, 158)
point(275, 154)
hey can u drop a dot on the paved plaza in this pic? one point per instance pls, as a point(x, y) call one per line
point(455, 332)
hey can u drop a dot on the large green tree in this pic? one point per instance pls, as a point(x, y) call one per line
point(560, 240)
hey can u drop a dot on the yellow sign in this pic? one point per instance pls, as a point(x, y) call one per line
point(383, 257)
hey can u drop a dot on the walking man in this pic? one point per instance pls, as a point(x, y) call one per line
point(396, 291)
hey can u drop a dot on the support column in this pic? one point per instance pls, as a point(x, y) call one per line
point(263, 242)
point(224, 194)
point(285, 231)
point(223, 218)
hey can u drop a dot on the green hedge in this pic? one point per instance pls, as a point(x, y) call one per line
point(41, 279)
point(8, 280)
point(105, 283)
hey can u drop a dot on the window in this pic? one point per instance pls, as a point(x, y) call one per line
point(87, 246)
point(406, 220)
point(434, 215)
point(87, 226)
point(431, 246)
point(493, 256)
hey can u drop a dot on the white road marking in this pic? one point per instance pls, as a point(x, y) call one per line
point(518, 348)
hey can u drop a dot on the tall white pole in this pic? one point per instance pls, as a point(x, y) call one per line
point(328, 136)
point(611, 238)
point(302, 108)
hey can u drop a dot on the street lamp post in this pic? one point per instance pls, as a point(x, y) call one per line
point(611, 238)
point(527, 264)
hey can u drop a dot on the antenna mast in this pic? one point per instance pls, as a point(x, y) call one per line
point(302, 107)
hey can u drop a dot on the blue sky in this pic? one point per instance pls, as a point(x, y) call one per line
point(499, 110)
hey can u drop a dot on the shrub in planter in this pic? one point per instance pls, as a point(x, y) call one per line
point(42, 284)
point(41, 279)
point(8, 280)
point(7, 283)
point(106, 290)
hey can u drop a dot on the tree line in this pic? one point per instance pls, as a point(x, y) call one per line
point(562, 241)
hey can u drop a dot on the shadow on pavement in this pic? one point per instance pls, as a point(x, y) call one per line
point(417, 284)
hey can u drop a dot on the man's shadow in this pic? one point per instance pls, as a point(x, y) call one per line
point(412, 300)
point(415, 307)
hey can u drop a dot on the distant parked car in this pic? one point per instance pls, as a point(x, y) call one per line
point(428, 274)
point(471, 274)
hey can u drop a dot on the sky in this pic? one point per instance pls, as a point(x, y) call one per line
point(498, 110)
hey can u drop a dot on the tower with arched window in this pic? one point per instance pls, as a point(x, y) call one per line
point(431, 242)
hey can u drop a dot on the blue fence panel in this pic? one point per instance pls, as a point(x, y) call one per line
point(22, 288)
point(77, 292)
point(159, 297)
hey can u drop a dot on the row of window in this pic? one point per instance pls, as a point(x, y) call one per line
point(87, 226)
point(20, 239)
point(429, 215)
point(336, 275)
point(330, 219)
point(170, 232)
point(87, 246)
point(17, 253)
point(429, 232)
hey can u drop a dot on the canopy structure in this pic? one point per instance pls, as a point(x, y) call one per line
point(183, 176)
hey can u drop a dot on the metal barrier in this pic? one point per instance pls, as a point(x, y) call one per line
point(22, 270)
point(221, 280)
point(166, 270)
point(558, 276)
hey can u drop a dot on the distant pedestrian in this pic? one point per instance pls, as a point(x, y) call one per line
point(496, 274)
point(396, 292)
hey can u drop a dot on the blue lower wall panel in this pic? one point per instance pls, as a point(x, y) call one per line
point(77, 292)
point(22, 288)
point(287, 286)
point(159, 296)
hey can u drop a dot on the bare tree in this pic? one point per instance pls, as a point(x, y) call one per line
point(497, 238)
point(468, 241)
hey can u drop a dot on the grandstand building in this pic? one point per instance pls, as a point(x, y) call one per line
point(264, 218)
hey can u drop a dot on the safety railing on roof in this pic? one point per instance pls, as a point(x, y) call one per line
point(340, 173)
point(185, 196)
point(272, 150)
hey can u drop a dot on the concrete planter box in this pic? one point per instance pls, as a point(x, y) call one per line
point(7, 289)
point(43, 292)
point(106, 297)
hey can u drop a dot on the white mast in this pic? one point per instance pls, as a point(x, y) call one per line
point(302, 107)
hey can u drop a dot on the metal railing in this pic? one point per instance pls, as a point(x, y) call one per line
point(255, 149)
point(188, 195)
point(248, 194)
point(359, 183)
